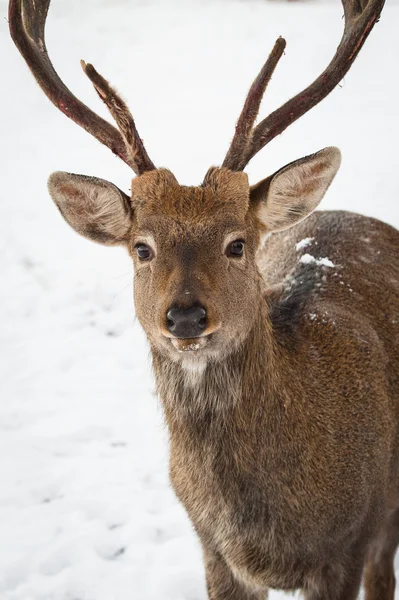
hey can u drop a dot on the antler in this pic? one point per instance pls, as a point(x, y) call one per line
point(27, 19)
point(360, 17)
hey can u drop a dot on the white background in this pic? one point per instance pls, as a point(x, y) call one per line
point(86, 510)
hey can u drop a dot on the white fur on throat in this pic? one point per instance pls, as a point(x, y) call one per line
point(194, 368)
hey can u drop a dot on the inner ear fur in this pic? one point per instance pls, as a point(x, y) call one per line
point(293, 192)
point(95, 208)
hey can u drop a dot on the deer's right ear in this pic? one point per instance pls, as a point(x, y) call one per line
point(95, 208)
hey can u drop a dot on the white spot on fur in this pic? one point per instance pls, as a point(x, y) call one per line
point(264, 237)
point(194, 369)
point(304, 243)
point(308, 259)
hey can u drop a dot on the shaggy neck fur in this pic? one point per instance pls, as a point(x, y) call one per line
point(218, 389)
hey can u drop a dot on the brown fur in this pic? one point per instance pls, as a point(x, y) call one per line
point(285, 454)
point(284, 420)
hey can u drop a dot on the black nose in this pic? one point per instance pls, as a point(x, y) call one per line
point(186, 322)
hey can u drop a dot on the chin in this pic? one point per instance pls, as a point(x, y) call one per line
point(193, 354)
point(192, 351)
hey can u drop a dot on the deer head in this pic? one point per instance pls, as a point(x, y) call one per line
point(197, 286)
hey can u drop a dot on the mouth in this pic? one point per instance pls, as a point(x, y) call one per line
point(192, 345)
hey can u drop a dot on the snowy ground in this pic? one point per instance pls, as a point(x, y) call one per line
point(86, 510)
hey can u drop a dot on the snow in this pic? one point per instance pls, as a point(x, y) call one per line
point(86, 509)
point(308, 259)
point(303, 243)
point(190, 348)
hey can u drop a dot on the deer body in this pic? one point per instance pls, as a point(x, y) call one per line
point(260, 444)
point(274, 334)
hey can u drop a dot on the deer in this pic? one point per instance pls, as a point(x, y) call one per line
point(274, 335)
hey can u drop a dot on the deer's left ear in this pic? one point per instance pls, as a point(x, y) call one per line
point(291, 194)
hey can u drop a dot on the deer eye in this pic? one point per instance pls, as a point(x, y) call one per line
point(143, 251)
point(236, 248)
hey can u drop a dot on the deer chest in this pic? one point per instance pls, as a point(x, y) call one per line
point(270, 526)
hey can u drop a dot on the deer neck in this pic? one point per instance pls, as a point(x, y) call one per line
point(220, 388)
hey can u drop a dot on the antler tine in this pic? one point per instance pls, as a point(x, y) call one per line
point(27, 19)
point(236, 156)
point(123, 118)
point(360, 17)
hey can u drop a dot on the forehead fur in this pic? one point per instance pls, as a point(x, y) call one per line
point(158, 192)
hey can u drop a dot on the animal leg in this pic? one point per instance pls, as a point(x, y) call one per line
point(339, 583)
point(379, 575)
point(221, 583)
